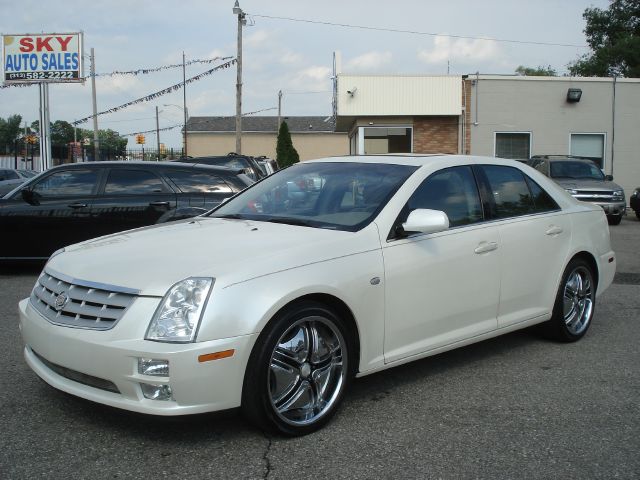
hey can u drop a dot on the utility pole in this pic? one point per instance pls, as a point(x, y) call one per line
point(158, 132)
point(184, 104)
point(96, 142)
point(279, 110)
point(241, 21)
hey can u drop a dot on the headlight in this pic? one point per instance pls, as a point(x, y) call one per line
point(618, 193)
point(178, 316)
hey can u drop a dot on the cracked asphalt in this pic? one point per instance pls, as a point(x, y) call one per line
point(511, 407)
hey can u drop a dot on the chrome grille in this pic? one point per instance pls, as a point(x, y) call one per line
point(80, 306)
point(595, 196)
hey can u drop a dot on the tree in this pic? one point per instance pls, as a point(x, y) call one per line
point(539, 71)
point(613, 35)
point(286, 154)
point(61, 132)
point(9, 132)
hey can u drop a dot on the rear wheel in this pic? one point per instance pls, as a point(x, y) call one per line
point(298, 371)
point(575, 303)
point(638, 214)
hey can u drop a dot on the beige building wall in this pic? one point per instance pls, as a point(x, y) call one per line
point(538, 105)
point(308, 145)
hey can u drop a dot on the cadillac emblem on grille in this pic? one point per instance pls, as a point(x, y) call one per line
point(61, 301)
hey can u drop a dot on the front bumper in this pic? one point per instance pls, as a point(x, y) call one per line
point(113, 355)
point(617, 208)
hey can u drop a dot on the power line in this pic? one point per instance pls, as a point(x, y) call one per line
point(415, 32)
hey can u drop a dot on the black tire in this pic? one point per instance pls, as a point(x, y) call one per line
point(638, 214)
point(614, 219)
point(278, 381)
point(574, 305)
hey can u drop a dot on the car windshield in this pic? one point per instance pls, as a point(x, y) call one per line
point(576, 170)
point(335, 195)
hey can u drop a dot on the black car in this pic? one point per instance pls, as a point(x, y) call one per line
point(248, 164)
point(75, 202)
point(634, 202)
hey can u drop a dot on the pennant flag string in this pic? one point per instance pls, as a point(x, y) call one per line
point(159, 93)
point(140, 71)
point(149, 131)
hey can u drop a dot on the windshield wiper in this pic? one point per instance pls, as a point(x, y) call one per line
point(289, 221)
point(235, 216)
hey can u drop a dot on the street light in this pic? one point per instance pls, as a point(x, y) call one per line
point(241, 21)
point(184, 130)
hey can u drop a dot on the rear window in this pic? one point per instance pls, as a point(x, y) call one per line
point(190, 182)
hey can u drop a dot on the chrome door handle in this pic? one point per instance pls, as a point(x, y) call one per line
point(159, 204)
point(484, 247)
point(77, 205)
point(554, 230)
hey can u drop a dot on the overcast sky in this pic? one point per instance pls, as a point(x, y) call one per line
point(285, 55)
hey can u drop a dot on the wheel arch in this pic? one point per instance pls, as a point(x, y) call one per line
point(591, 260)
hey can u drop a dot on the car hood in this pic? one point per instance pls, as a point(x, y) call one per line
point(587, 184)
point(152, 259)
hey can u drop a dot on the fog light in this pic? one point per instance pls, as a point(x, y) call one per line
point(154, 367)
point(156, 392)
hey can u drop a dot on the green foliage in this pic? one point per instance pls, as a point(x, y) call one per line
point(613, 36)
point(61, 132)
point(286, 154)
point(539, 71)
point(9, 132)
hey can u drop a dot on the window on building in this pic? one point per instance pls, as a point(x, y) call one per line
point(513, 145)
point(386, 140)
point(589, 145)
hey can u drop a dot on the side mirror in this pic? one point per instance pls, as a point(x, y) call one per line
point(28, 196)
point(609, 178)
point(422, 220)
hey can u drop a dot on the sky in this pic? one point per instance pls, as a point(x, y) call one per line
point(292, 56)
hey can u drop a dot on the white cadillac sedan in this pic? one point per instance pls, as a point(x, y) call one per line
point(326, 270)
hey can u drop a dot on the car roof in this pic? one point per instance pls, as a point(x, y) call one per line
point(418, 160)
point(149, 164)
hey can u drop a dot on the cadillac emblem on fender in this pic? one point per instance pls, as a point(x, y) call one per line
point(61, 301)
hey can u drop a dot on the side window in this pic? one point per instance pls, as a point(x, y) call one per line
point(510, 191)
point(542, 201)
point(67, 182)
point(132, 182)
point(453, 191)
point(542, 167)
point(198, 182)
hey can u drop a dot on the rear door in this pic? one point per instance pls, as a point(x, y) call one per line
point(535, 235)
point(200, 189)
point(132, 198)
point(57, 214)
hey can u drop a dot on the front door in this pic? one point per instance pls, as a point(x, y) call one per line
point(442, 288)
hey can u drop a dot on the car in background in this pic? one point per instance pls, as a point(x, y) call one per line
point(75, 202)
point(268, 165)
point(634, 202)
point(385, 260)
point(10, 178)
point(232, 160)
point(584, 180)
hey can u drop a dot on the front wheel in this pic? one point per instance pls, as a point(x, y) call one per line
point(614, 219)
point(575, 302)
point(298, 371)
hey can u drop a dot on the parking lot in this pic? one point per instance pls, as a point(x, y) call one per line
point(516, 406)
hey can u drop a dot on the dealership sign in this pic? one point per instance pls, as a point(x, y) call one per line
point(53, 57)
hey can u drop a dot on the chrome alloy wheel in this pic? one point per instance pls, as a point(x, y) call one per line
point(578, 300)
point(307, 370)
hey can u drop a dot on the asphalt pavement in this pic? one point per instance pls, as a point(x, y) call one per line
point(516, 406)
